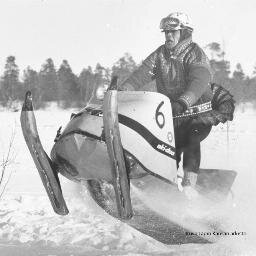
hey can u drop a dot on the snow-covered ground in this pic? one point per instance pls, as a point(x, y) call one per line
point(28, 225)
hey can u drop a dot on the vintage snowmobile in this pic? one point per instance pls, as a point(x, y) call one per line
point(126, 158)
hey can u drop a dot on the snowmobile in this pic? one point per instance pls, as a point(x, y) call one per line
point(122, 147)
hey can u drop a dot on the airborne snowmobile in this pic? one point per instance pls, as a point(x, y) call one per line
point(125, 158)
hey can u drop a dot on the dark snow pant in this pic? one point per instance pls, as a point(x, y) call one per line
point(187, 139)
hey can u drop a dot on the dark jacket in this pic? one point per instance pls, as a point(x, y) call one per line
point(183, 74)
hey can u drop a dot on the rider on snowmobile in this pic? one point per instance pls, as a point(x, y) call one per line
point(183, 73)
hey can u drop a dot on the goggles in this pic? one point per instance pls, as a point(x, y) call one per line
point(171, 23)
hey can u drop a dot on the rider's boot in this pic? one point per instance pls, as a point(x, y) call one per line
point(189, 185)
point(191, 163)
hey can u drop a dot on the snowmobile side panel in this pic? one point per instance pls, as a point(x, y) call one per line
point(43, 163)
point(116, 155)
point(146, 129)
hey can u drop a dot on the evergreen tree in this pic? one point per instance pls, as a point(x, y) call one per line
point(254, 71)
point(124, 67)
point(220, 66)
point(68, 85)
point(86, 84)
point(48, 81)
point(251, 90)
point(10, 85)
point(31, 83)
point(101, 79)
point(221, 70)
point(30, 80)
point(238, 73)
point(101, 75)
point(251, 87)
point(215, 51)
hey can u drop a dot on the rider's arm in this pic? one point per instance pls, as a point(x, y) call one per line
point(141, 76)
point(199, 76)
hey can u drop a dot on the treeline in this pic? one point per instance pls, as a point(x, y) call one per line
point(242, 86)
point(61, 85)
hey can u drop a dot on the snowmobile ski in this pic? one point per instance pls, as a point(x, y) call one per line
point(115, 152)
point(43, 163)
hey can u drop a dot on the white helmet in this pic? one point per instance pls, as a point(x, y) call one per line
point(176, 21)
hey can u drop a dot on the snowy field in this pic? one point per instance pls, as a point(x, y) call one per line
point(28, 225)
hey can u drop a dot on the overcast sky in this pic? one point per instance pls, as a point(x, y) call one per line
point(89, 31)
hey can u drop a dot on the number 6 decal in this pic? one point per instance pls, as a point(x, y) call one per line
point(160, 119)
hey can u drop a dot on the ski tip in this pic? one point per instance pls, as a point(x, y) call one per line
point(113, 83)
point(27, 105)
point(62, 211)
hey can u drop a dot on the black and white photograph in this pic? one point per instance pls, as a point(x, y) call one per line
point(127, 127)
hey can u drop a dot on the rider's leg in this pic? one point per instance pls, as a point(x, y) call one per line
point(192, 153)
point(180, 142)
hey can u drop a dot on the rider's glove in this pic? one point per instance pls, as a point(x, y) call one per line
point(178, 107)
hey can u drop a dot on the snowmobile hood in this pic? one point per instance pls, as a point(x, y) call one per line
point(86, 122)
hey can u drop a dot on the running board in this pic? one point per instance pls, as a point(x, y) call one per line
point(43, 163)
point(115, 152)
